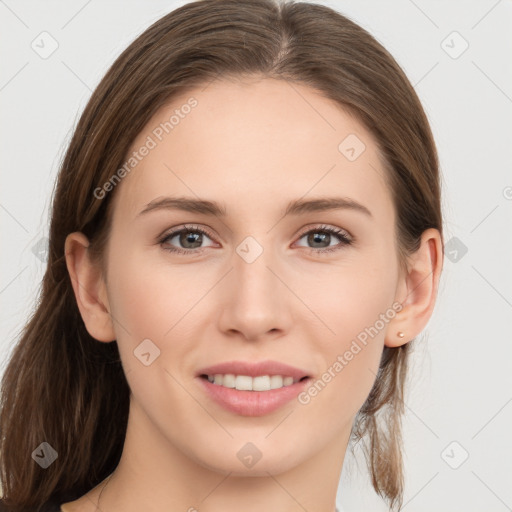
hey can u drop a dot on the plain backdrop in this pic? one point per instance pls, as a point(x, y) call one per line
point(457, 56)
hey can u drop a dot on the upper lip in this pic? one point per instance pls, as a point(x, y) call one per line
point(254, 369)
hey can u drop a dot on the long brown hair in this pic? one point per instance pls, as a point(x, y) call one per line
point(63, 387)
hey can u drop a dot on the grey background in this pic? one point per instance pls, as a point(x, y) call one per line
point(460, 380)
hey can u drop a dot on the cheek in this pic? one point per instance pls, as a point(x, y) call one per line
point(149, 297)
point(355, 306)
point(348, 298)
point(153, 300)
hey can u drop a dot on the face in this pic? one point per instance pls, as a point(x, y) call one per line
point(255, 283)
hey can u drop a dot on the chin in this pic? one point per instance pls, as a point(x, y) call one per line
point(243, 458)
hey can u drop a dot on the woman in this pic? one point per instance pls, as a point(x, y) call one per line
point(246, 236)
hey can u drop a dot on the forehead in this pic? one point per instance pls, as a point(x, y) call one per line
point(251, 143)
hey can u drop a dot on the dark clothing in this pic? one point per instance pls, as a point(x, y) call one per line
point(49, 506)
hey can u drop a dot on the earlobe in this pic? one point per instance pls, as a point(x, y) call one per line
point(89, 288)
point(419, 290)
point(397, 338)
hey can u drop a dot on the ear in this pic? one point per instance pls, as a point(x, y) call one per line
point(417, 290)
point(89, 287)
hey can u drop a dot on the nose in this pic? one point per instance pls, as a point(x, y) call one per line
point(257, 303)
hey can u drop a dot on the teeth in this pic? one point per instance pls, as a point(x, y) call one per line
point(248, 383)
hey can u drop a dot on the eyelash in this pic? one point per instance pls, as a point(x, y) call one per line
point(341, 234)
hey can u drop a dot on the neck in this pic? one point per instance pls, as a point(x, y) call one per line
point(154, 471)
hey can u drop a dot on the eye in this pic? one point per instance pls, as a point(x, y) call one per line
point(190, 237)
point(322, 236)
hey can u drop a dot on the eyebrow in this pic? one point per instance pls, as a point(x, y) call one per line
point(296, 207)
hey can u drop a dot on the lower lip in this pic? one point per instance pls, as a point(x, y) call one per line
point(253, 403)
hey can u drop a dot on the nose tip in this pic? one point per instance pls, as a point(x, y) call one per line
point(253, 305)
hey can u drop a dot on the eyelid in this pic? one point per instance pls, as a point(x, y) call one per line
point(172, 232)
point(327, 227)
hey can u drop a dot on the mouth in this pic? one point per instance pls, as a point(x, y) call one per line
point(249, 383)
point(252, 389)
point(253, 376)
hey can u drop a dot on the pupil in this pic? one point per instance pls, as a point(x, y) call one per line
point(316, 237)
point(191, 237)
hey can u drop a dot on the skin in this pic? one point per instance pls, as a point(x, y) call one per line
point(253, 146)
